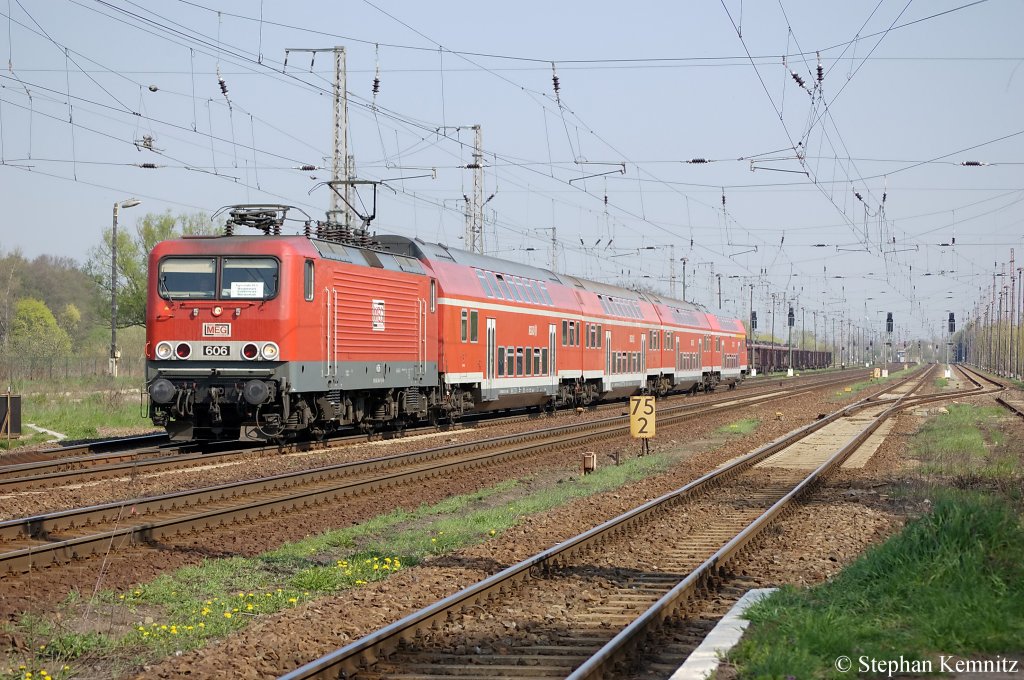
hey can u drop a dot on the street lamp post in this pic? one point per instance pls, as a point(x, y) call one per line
point(114, 353)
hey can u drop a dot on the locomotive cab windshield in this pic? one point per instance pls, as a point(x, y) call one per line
point(241, 278)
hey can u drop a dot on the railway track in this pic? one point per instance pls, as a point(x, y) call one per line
point(587, 607)
point(58, 537)
point(51, 472)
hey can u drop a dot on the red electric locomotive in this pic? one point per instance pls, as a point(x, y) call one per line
point(268, 336)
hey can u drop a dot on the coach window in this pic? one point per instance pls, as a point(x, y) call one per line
point(484, 283)
point(501, 361)
point(433, 295)
point(547, 295)
point(502, 287)
point(519, 360)
point(464, 316)
point(544, 361)
point(308, 280)
point(510, 359)
point(248, 278)
point(474, 325)
point(514, 289)
point(565, 332)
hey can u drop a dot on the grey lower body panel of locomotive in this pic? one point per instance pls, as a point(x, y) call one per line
point(266, 400)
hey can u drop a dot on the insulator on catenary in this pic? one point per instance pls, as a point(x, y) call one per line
point(857, 194)
point(798, 79)
point(148, 166)
point(697, 161)
point(376, 86)
point(821, 69)
point(554, 81)
point(306, 168)
point(223, 86)
point(973, 164)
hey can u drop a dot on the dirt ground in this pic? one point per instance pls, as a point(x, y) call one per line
point(856, 509)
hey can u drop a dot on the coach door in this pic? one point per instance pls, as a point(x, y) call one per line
point(552, 357)
point(607, 360)
point(492, 351)
point(643, 359)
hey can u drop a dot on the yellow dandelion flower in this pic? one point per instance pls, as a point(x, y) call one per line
point(248, 607)
point(202, 625)
point(209, 602)
point(252, 595)
point(293, 600)
point(145, 634)
point(138, 592)
point(142, 628)
point(164, 627)
point(227, 615)
point(493, 532)
point(376, 567)
point(189, 628)
point(42, 647)
point(235, 609)
point(433, 540)
point(174, 631)
point(241, 594)
point(121, 596)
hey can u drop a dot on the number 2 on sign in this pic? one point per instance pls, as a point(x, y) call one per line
point(641, 417)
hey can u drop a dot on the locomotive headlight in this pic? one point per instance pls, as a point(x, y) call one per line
point(183, 350)
point(270, 351)
point(164, 350)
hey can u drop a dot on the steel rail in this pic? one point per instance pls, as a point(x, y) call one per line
point(45, 527)
point(364, 652)
point(51, 472)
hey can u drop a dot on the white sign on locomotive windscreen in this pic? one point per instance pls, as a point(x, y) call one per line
point(377, 314)
point(246, 289)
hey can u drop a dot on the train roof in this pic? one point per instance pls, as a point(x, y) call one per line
point(439, 251)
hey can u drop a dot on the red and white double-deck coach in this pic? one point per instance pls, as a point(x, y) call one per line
point(266, 336)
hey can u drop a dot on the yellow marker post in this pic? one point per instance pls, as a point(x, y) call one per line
point(642, 420)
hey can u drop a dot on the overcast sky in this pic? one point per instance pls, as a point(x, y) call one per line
point(838, 192)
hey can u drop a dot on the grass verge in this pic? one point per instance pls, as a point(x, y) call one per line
point(81, 416)
point(951, 583)
point(965, 444)
point(184, 609)
point(740, 427)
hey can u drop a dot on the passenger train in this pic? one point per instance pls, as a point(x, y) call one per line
point(268, 336)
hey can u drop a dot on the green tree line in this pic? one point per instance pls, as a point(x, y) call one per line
point(53, 305)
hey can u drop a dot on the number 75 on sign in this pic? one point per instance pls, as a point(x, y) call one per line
point(641, 417)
